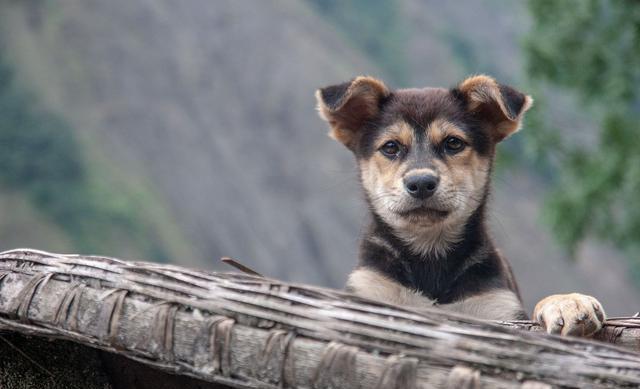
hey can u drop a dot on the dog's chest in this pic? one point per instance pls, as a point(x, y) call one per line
point(434, 280)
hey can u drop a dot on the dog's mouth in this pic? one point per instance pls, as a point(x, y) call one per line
point(425, 212)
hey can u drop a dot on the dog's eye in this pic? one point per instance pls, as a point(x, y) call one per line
point(453, 144)
point(390, 149)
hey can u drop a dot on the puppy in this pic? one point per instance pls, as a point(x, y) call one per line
point(425, 158)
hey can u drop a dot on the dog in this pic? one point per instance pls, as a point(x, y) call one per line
point(425, 158)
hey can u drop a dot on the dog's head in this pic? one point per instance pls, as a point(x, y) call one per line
point(424, 154)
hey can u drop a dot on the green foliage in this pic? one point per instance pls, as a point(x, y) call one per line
point(591, 47)
point(374, 26)
point(40, 157)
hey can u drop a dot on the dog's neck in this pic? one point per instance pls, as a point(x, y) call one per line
point(417, 265)
point(430, 242)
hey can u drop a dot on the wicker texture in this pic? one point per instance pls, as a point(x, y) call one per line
point(251, 332)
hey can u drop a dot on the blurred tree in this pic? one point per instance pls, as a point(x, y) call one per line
point(591, 47)
point(41, 158)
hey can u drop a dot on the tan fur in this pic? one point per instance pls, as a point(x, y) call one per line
point(400, 132)
point(422, 171)
point(382, 179)
point(371, 284)
point(460, 190)
point(441, 129)
point(494, 305)
point(361, 102)
point(429, 223)
point(434, 239)
point(570, 314)
point(341, 135)
point(484, 90)
point(499, 304)
point(380, 173)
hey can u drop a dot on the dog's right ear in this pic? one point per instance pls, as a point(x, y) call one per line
point(349, 106)
point(499, 105)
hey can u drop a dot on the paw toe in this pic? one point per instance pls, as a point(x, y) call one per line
point(572, 314)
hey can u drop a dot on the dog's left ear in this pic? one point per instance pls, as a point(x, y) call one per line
point(347, 107)
point(500, 106)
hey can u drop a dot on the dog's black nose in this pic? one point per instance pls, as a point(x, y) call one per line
point(421, 186)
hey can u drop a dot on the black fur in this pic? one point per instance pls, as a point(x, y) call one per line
point(470, 267)
point(332, 95)
point(513, 100)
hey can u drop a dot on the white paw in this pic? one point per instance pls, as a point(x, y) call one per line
point(570, 314)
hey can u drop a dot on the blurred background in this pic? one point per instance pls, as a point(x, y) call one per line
point(182, 131)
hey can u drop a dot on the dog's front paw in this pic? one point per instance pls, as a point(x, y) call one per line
point(570, 314)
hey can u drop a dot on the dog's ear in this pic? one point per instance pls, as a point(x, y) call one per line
point(501, 106)
point(349, 106)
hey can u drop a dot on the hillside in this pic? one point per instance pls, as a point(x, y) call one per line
point(228, 149)
point(206, 111)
